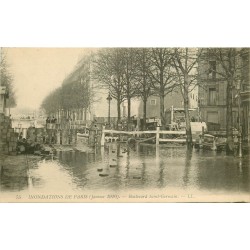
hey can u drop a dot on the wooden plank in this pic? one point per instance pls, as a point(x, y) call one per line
point(166, 132)
point(147, 139)
point(169, 132)
point(129, 132)
point(172, 140)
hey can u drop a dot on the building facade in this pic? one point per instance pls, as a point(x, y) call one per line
point(245, 96)
point(99, 103)
point(212, 93)
point(174, 99)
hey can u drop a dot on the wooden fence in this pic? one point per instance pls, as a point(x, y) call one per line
point(157, 133)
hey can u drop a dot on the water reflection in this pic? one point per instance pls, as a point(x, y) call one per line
point(119, 167)
point(187, 169)
point(13, 179)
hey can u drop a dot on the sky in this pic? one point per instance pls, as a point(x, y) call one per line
point(37, 71)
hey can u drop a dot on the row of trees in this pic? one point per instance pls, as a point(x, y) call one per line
point(142, 72)
point(129, 73)
point(72, 95)
point(6, 79)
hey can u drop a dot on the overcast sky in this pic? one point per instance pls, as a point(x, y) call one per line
point(37, 71)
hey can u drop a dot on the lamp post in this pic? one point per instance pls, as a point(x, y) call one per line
point(109, 98)
point(239, 119)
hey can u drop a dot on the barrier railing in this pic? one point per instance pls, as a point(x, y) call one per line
point(157, 133)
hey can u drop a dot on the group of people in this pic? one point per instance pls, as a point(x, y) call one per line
point(51, 120)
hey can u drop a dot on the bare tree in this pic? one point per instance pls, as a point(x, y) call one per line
point(129, 62)
point(185, 63)
point(74, 94)
point(143, 83)
point(162, 76)
point(109, 71)
point(52, 102)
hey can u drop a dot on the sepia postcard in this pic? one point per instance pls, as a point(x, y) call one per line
point(124, 125)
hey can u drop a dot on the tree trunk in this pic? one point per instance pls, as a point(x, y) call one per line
point(85, 114)
point(162, 113)
point(70, 115)
point(118, 110)
point(129, 109)
point(144, 113)
point(187, 117)
point(229, 118)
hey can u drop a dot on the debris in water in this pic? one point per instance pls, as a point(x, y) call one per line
point(103, 175)
point(99, 169)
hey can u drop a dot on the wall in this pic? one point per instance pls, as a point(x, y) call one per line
point(174, 98)
point(207, 81)
point(8, 138)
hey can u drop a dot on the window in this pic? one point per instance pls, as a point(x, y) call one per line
point(212, 100)
point(213, 121)
point(213, 117)
point(153, 102)
point(212, 69)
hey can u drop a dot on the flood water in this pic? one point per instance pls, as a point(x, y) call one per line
point(117, 167)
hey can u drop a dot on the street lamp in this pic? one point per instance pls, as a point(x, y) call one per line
point(238, 87)
point(109, 98)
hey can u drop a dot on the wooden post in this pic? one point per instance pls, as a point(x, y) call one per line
point(24, 131)
point(214, 144)
point(157, 135)
point(203, 132)
point(138, 123)
point(157, 156)
point(75, 135)
point(103, 136)
point(200, 141)
point(58, 137)
point(172, 114)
